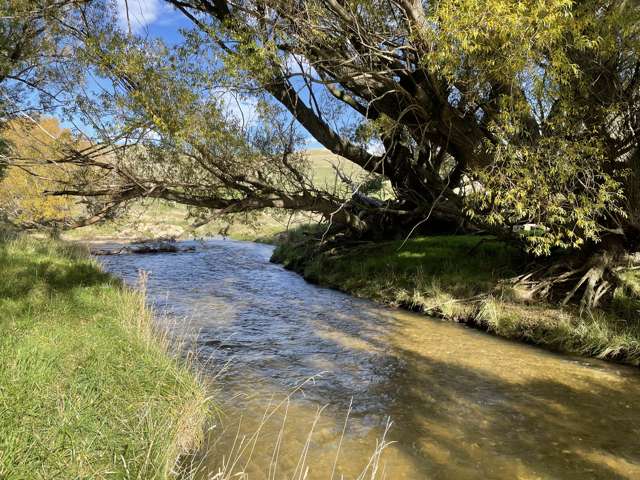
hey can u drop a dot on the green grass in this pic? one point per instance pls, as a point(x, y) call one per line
point(465, 279)
point(87, 389)
point(323, 172)
point(323, 163)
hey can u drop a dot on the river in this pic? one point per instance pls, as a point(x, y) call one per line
point(290, 361)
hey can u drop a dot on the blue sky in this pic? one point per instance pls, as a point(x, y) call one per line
point(153, 17)
point(156, 18)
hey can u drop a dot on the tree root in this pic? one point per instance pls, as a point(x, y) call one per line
point(586, 280)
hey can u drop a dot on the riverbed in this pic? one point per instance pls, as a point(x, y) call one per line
point(314, 382)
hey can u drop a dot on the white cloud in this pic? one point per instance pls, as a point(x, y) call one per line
point(375, 147)
point(141, 13)
point(243, 109)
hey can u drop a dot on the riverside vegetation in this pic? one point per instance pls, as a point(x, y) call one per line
point(87, 388)
point(452, 117)
point(545, 136)
point(467, 279)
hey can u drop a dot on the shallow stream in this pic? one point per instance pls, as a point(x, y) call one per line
point(462, 404)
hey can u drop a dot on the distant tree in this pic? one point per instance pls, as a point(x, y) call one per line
point(34, 150)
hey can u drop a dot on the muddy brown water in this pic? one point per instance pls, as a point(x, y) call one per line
point(462, 404)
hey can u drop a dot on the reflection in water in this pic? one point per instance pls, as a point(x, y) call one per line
point(463, 404)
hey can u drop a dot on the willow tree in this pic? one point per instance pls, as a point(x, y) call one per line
point(481, 116)
point(34, 51)
point(499, 112)
point(40, 73)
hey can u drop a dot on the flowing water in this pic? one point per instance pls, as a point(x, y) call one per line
point(463, 404)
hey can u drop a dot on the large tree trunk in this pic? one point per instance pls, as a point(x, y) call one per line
point(632, 194)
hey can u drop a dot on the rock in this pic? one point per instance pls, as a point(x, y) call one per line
point(159, 247)
point(146, 248)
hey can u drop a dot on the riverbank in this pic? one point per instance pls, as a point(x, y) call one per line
point(88, 389)
point(465, 279)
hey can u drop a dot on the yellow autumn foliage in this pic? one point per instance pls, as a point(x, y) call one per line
point(34, 150)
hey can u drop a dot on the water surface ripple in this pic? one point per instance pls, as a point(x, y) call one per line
point(464, 405)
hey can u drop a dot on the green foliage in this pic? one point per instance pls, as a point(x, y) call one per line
point(196, 143)
point(86, 388)
point(557, 184)
point(560, 68)
point(31, 48)
point(479, 43)
point(503, 113)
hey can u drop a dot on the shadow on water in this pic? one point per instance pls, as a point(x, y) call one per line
point(463, 404)
point(471, 424)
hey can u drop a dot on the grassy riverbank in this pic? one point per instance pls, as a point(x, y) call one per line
point(464, 279)
point(87, 389)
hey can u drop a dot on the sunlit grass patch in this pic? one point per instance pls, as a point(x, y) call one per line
point(451, 265)
point(87, 387)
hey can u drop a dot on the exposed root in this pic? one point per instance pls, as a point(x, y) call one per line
point(588, 280)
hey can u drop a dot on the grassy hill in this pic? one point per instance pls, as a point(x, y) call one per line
point(323, 164)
